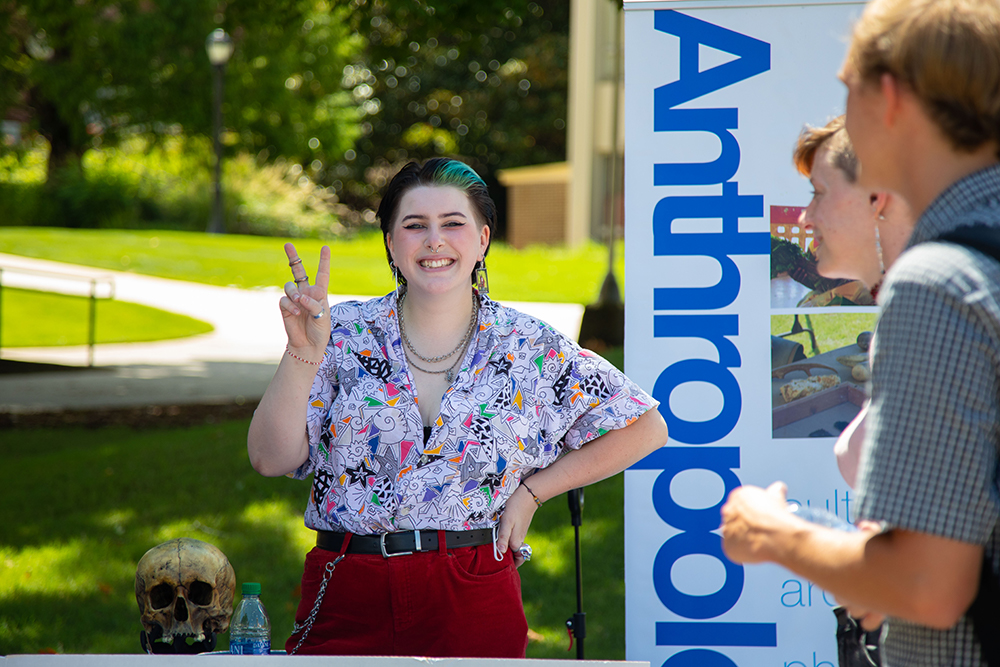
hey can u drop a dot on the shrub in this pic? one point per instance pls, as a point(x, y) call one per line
point(277, 200)
point(19, 204)
point(166, 184)
point(107, 201)
point(22, 173)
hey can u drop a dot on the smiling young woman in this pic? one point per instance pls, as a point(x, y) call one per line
point(419, 415)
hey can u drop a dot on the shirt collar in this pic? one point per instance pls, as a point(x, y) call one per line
point(378, 310)
point(958, 204)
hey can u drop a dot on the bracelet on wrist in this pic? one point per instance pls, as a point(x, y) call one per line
point(528, 489)
point(298, 358)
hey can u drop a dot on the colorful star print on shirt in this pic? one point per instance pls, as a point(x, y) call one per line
point(523, 395)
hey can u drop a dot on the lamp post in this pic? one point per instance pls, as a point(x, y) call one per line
point(219, 48)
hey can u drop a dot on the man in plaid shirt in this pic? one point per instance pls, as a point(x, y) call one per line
point(923, 113)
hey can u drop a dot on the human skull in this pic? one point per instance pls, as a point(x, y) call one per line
point(184, 589)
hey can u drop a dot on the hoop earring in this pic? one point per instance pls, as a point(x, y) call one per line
point(482, 280)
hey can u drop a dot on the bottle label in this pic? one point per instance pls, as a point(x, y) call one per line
point(247, 646)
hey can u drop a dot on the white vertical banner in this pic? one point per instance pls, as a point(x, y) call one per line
point(716, 93)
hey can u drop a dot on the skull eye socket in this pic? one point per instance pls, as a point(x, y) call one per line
point(161, 596)
point(200, 593)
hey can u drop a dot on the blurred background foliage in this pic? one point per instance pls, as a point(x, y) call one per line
point(324, 100)
point(484, 80)
point(89, 74)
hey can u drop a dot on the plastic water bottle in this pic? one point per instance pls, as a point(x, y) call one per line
point(250, 629)
point(822, 517)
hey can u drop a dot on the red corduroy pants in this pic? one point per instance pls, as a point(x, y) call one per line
point(458, 603)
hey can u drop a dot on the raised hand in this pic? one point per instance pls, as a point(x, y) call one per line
point(304, 306)
point(751, 519)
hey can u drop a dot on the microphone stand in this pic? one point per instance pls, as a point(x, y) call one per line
point(577, 624)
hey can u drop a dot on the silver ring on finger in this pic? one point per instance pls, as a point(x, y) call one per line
point(301, 280)
point(320, 314)
point(525, 551)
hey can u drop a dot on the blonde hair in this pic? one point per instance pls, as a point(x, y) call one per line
point(946, 51)
point(833, 137)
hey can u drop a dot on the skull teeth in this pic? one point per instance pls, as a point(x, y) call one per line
point(169, 639)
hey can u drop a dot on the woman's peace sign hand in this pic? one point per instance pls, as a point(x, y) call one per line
point(304, 306)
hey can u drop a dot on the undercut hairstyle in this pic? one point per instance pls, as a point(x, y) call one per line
point(436, 171)
point(839, 150)
point(946, 51)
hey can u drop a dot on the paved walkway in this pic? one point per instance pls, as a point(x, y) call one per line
point(231, 365)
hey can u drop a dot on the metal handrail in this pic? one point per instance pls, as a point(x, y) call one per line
point(93, 296)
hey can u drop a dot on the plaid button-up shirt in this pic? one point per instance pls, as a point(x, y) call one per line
point(930, 458)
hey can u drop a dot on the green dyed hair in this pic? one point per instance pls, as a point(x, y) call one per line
point(457, 174)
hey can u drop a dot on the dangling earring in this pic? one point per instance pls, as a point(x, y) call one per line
point(482, 280)
point(874, 289)
point(878, 247)
point(395, 277)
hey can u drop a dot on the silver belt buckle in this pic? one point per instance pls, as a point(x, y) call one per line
point(385, 554)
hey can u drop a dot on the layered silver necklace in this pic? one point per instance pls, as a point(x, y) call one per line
point(449, 373)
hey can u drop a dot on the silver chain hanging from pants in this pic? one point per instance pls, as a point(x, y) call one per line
point(308, 623)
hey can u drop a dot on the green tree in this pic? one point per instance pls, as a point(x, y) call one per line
point(485, 80)
point(93, 72)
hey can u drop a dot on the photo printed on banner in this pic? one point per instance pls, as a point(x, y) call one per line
point(819, 372)
point(795, 278)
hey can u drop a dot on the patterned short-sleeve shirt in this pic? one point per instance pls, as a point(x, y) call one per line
point(929, 463)
point(524, 394)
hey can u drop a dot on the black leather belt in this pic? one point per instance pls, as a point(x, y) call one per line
point(402, 543)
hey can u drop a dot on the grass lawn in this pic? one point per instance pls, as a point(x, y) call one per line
point(833, 330)
point(358, 265)
point(90, 503)
point(40, 319)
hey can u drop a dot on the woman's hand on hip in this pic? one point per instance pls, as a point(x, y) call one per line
point(514, 523)
point(304, 306)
